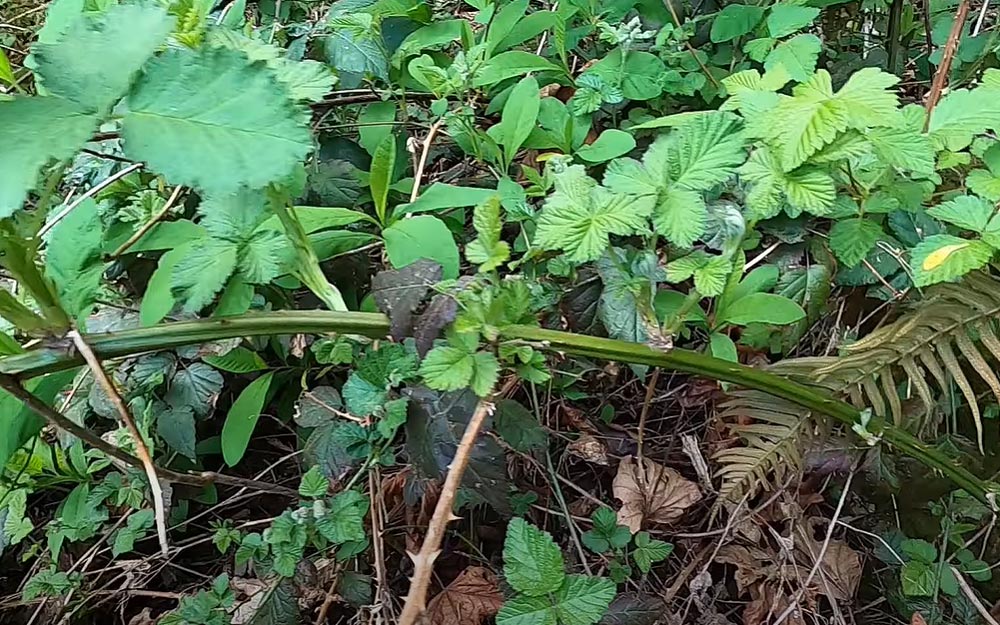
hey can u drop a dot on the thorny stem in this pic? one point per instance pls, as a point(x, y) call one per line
point(423, 562)
point(48, 359)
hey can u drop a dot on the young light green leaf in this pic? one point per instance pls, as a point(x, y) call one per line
point(375, 123)
point(250, 133)
point(440, 196)
point(580, 216)
point(6, 73)
point(503, 22)
point(487, 250)
point(533, 563)
point(583, 600)
point(423, 236)
point(383, 165)
point(242, 419)
point(798, 55)
point(721, 346)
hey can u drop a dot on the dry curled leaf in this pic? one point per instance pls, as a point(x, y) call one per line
point(652, 494)
point(470, 599)
point(590, 449)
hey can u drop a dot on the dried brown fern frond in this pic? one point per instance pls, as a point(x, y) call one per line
point(771, 442)
point(949, 337)
point(950, 334)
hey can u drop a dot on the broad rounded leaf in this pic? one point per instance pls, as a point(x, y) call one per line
point(735, 20)
point(413, 238)
point(762, 308)
point(214, 121)
point(944, 257)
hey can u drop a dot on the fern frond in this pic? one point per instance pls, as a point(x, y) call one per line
point(930, 351)
point(951, 335)
point(771, 442)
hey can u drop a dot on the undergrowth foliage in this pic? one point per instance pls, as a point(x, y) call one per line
point(407, 286)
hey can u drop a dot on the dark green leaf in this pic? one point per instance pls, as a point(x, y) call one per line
point(242, 419)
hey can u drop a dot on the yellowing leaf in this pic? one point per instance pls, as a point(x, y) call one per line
point(937, 258)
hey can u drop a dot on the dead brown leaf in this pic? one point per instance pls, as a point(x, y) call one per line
point(918, 619)
point(590, 449)
point(653, 493)
point(470, 599)
point(841, 565)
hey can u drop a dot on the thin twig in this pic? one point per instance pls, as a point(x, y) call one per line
point(146, 227)
point(971, 596)
point(142, 451)
point(646, 403)
point(794, 604)
point(94, 190)
point(423, 562)
point(422, 163)
point(979, 21)
point(331, 594)
point(941, 75)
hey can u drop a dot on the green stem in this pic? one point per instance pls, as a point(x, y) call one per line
point(307, 267)
point(177, 334)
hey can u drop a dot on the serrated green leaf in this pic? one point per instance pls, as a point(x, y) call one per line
point(280, 605)
point(868, 99)
point(984, 183)
point(242, 419)
point(518, 427)
point(487, 250)
point(247, 130)
point(195, 386)
point(680, 216)
point(943, 257)
point(525, 610)
point(314, 485)
point(447, 368)
point(33, 132)
point(533, 563)
point(905, 148)
point(201, 273)
point(344, 521)
point(361, 396)
point(965, 211)
point(961, 114)
point(809, 189)
point(580, 216)
point(798, 55)
point(851, 239)
point(583, 600)
point(94, 60)
point(649, 551)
